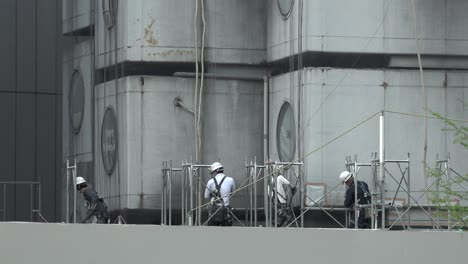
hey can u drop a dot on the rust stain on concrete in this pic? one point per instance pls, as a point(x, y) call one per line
point(150, 35)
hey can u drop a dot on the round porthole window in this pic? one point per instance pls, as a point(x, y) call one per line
point(285, 8)
point(76, 101)
point(109, 140)
point(109, 11)
point(286, 133)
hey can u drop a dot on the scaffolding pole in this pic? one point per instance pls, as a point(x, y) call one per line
point(253, 172)
point(167, 178)
point(71, 168)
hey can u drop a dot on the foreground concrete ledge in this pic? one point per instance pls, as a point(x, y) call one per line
point(80, 243)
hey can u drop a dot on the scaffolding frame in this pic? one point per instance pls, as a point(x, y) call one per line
point(168, 172)
point(270, 188)
point(444, 166)
point(34, 202)
point(253, 172)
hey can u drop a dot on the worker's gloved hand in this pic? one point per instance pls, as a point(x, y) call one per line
point(293, 190)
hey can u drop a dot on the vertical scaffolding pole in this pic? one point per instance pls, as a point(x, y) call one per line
point(409, 192)
point(67, 200)
point(190, 213)
point(381, 166)
point(74, 192)
point(356, 206)
point(170, 191)
point(162, 193)
point(265, 197)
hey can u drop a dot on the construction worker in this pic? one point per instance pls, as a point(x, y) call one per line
point(363, 196)
point(96, 205)
point(219, 188)
point(284, 211)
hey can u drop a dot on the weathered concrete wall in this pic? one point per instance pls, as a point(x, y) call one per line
point(77, 15)
point(235, 32)
point(59, 243)
point(369, 26)
point(151, 129)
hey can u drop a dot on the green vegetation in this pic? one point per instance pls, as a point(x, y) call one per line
point(450, 193)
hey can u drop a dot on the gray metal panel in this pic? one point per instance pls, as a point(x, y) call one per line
point(26, 46)
point(163, 244)
point(46, 46)
point(46, 152)
point(25, 152)
point(7, 150)
point(7, 45)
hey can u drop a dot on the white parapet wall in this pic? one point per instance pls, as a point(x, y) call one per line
point(64, 243)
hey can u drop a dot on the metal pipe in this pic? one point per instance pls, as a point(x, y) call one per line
point(356, 209)
point(381, 166)
point(265, 197)
point(184, 174)
point(254, 180)
point(409, 192)
point(74, 192)
point(191, 194)
point(67, 200)
point(162, 193)
point(169, 182)
point(4, 202)
point(31, 202)
point(266, 107)
point(275, 186)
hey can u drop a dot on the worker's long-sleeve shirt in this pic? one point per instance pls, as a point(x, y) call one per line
point(227, 187)
point(363, 194)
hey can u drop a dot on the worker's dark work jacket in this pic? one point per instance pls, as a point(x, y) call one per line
point(364, 197)
point(97, 207)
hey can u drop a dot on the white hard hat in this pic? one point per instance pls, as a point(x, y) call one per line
point(215, 166)
point(345, 175)
point(80, 180)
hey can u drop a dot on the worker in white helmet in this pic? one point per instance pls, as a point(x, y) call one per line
point(283, 198)
point(363, 196)
point(219, 188)
point(96, 205)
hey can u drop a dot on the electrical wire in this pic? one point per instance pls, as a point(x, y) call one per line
point(292, 162)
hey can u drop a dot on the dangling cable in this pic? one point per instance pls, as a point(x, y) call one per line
point(195, 124)
point(202, 53)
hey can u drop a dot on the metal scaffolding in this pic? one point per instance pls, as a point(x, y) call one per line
point(167, 177)
point(449, 175)
point(253, 176)
point(193, 188)
point(293, 172)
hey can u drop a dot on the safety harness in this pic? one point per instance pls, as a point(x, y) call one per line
point(217, 193)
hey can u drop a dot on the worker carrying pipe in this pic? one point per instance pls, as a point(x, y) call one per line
point(96, 206)
point(283, 188)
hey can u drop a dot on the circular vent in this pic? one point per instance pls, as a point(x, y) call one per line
point(109, 140)
point(76, 101)
point(286, 133)
point(285, 8)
